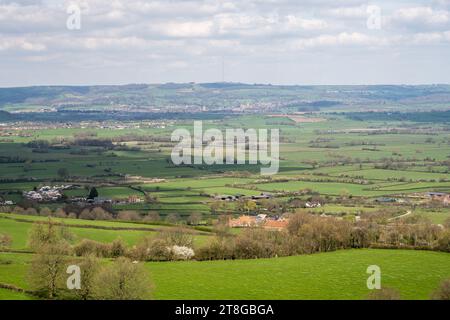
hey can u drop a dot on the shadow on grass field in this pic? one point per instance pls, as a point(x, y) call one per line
point(332, 275)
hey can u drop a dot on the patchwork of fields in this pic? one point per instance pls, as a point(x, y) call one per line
point(345, 165)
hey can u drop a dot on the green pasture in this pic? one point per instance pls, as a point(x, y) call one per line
point(332, 275)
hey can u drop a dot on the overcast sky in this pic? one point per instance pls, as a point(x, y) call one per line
point(253, 41)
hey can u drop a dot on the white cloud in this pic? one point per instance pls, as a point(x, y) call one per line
point(20, 44)
point(182, 34)
point(425, 15)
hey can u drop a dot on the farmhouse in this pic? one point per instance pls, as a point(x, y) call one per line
point(243, 222)
point(313, 204)
point(276, 225)
point(100, 200)
point(134, 199)
point(385, 200)
point(226, 197)
point(262, 196)
point(442, 197)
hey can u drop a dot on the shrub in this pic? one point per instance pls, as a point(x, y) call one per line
point(152, 216)
point(217, 249)
point(178, 237)
point(149, 249)
point(122, 280)
point(87, 214)
point(129, 216)
point(42, 234)
point(45, 212)
point(88, 247)
point(5, 241)
point(443, 292)
point(101, 214)
point(18, 210)
point(181, 253)
point(72, 215)
point(248, 248)
point(118, 248)
point(30, 212)
point(95, 214)
point(443, 243)
point(173, 218)
point(60, 213)
point(46, 274)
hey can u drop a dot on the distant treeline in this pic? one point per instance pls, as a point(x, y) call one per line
point(432, 116)
point(78, 116)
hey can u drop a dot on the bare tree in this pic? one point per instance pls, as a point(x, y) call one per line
point(48, 233)
point(47, 268)
point(195, 218)
point(89, 268)
point(122, 280)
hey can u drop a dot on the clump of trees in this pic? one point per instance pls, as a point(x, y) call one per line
point(128, 215)
point(123, 279)
point(173, 244)
point(305, 234)
point(308, 233)
point(96, 213)
point(87, 247)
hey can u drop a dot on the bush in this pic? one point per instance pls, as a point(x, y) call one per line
point(122, 280)
point(181, 253)
point(257, 243)
point(152, 216)
point(60, 213)
point(443, 292)
point(49, 233)
point(88, 247)
point(149, 249)
point(5, 241)
point(31, 212)
point(129, 216)
point(178, 237)
point(47, 270)
point(95, 214)
point(45, 212)
point(86, 214)
point(443, 243)
point(217, 249)
point(118, 248)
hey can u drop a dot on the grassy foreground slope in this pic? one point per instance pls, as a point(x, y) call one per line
point(332, 275)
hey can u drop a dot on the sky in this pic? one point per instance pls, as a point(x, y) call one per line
point(88, 42)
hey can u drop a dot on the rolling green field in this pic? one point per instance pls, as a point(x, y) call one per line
point(84, 229)
point(332, 275)
point(399, 157)
point(347, 163)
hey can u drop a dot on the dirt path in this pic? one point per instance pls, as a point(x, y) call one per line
point(401, 216)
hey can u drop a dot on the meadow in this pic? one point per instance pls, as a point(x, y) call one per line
point(332, 275)
point(18, 227)
point(346, 163)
